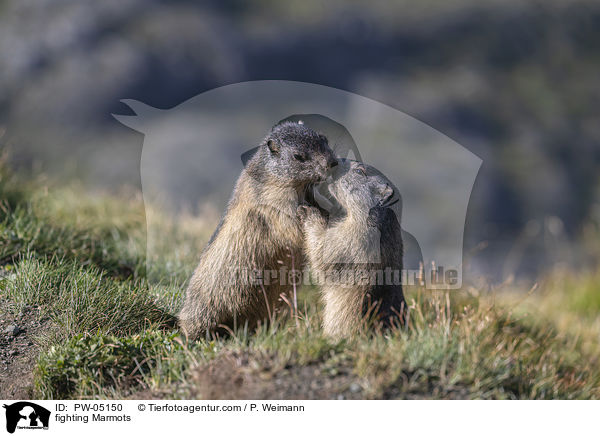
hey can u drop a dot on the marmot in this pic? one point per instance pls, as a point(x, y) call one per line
point(259, 233)
point(361, 241)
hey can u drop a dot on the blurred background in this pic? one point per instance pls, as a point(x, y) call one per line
point(514, 82)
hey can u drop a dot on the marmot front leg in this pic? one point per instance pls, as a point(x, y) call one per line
point(314, 224)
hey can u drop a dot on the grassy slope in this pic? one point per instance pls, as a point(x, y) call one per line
point(80, 259)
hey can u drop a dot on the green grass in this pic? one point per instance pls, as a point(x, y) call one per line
point(108, 366)
point(27, 228)
point(82, 299)
point(80, 258)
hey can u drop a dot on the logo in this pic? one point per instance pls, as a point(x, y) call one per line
point(26, 415)
point(190, 157)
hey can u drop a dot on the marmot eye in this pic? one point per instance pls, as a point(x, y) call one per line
point(300, 157)
point(361, 171)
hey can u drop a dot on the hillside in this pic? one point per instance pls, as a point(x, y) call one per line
point(88, 321)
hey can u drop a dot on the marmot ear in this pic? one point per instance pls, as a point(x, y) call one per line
point(273, 146)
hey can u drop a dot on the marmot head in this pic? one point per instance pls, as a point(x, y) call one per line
point(359, 187)
point(295, 155)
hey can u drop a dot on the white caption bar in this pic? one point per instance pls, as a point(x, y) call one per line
point(298, 417)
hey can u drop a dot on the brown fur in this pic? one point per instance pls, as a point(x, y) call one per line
point(365, 237)
point(259, 232)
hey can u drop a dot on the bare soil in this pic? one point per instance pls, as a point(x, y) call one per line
point(246, 376)
point(18, 350)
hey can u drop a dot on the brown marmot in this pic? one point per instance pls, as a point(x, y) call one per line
point(355, 254)
point(259, 234)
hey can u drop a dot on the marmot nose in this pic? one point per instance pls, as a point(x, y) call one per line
point(388, 191)
point(332, 162)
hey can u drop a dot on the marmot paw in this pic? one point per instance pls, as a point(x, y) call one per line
point(304, 211)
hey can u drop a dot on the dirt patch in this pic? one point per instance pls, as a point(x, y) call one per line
point(408, 387)
point(240, 375)
point(18, 350)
